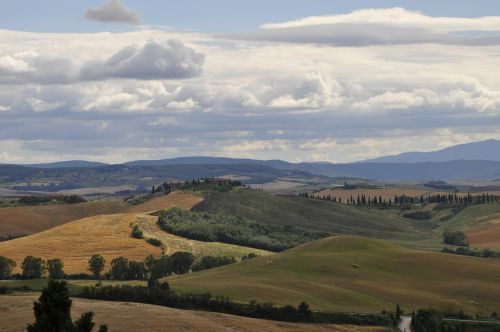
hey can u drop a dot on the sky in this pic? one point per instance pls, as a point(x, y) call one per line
point(314, 80)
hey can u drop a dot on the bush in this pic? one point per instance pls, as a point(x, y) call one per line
point(456, 238)
point(210, 262)
point(418, 215)
point(249, 256)
point(79, 276)
point(136, 232)
point(154, 242)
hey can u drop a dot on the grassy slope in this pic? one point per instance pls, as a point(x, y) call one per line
point(481, 223)
point(109, 235)
point(472, 216)
point(321, 274)
point(309, 213)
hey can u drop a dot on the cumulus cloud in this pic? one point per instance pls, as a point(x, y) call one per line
point(34, 67)
point(169, 59)
point(381, 27)
point(94, 96)
point(155, 60)
point(112, 11)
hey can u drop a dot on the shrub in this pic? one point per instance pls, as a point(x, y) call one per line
point(154, 242)
point(458, 238)
point(249, 256)
point(136, 232)
point(418, 215)
point(209, 262)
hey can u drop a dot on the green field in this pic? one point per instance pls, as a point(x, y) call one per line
point(311, 214)
point(322, 274)
point(74, 286)
point(471, 215)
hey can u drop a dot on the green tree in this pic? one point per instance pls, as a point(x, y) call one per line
point(304, 309)
point(53, 309)
point(137, 270)
point(33, 267)
point(181, 262)
point(96, 265)
point(119, 268)
point(53, 312)
point(55, 268)
point(6, 266)
point(159, 268)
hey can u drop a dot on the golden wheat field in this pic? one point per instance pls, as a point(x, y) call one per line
point(33, 219)
point(485, 235)
point(110, 236)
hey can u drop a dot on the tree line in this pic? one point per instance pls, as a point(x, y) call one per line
point(166, 297)
point(200, 184)
point(451, 199)
point(44, 199)
point(121, 268)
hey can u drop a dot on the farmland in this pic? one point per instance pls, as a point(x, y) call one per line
point(37, 218)
point(17, 312)
point(322, 274)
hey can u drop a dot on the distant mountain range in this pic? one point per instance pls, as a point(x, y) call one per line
point(478, 160)
point(484, 150)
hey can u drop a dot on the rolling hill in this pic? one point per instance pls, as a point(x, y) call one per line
point(17, 312)
point(309, 213)
point(32, 219)
point(109, 235)
point(322, 274)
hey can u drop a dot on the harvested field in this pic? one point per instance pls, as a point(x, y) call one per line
point(17, 311)
point(34, 219)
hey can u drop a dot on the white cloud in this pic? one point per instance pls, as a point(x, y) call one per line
point(183, 104)
point(397, 17)
point(39, 105)
point(381, 27)
point(112, 11)
point(263, 100)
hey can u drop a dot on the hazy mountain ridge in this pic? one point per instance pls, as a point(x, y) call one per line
point(465, 161)
point(483, 150)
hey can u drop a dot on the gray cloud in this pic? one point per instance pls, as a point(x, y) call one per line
point(155, 60)
point(355, 35)
point(112, 102)
point(112, 11)
point(169, 59)
point(391, 26)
